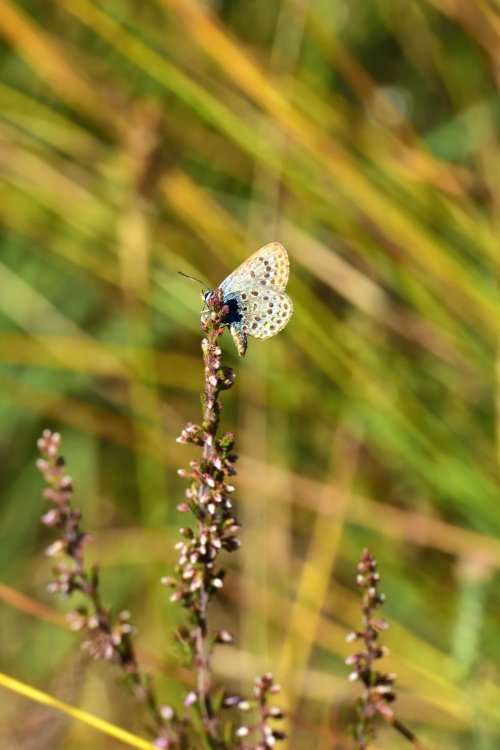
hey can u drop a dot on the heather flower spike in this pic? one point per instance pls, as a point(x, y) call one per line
point(198, 575)
point(108, 636)
point(378, 687)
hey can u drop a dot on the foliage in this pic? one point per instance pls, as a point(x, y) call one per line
point(142, 139)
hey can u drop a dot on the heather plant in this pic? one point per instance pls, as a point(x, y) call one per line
point(378, 691)
point(197, 578)
point(108, 636)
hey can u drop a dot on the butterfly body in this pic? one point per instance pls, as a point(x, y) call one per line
point(254, 293)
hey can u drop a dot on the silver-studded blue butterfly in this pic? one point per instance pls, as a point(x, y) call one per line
point(254, 293)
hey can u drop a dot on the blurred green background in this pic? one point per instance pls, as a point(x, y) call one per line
point(139, 139)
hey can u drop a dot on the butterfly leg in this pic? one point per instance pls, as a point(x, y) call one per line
point(204, 312)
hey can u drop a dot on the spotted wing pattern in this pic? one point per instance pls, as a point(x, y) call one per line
point(267, 267)
point(263, 311)
point(255, 296)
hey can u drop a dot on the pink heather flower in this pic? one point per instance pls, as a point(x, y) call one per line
point(56, 548)
point(190, 699)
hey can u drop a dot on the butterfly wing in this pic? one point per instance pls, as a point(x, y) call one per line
point(268, 267)
point(240, 340)
point(263, 311)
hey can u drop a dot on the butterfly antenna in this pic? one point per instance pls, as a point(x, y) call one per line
point(193, 278)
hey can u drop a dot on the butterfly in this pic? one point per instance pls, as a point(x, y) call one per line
point(254, 293)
